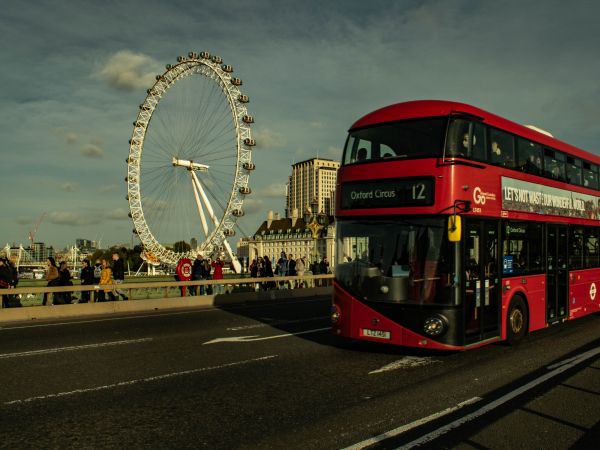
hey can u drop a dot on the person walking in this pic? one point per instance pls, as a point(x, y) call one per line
point(5, 281)
point(51, 276)
point(300, 268)
point(97, 274)
point(217, 266)
point(87, 279)
point(206, 268)
point(118, 273)
point(106, 279)
point(64, 276)
point(196, 274)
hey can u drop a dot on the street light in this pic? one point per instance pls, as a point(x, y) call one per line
point(317, 221)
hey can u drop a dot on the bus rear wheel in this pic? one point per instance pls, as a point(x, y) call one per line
point(516, 320)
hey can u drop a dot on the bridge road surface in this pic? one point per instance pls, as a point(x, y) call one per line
point(271, 376)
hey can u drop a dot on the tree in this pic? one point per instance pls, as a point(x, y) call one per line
point(181, 247)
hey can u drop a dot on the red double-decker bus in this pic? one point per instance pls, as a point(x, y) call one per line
point(457, 228)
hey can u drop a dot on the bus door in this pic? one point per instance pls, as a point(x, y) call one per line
point(482, 284)
point(557, 274)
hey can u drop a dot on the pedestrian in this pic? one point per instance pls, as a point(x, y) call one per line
point(196, 274)
point(51, 276)
point(64, 277)
point(97, 274)
point(87, 278)
point(292, 270)
point(118, 273)
point(217, 265)
point(206, 268)
point(268, 273)
point(5, 281)
point(106, 279)
point(324, 269)
point(300, 268)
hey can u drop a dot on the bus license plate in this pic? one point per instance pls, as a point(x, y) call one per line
point(380, 334)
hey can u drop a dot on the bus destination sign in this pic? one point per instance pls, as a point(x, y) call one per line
point(389, 193)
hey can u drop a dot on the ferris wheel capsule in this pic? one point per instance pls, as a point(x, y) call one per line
point(248, 119)
point(205, 55)
point(249, 166)
point(229, 232)
point(236, 81)
point(237, 212)
point(249, 142)
point(243, 98)
point(245, 190)
point(227, 68)
point(217, 59)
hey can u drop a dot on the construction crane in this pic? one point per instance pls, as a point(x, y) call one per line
point(33, 232)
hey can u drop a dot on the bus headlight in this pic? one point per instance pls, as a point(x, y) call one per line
point(335, 314)
point(435, 325)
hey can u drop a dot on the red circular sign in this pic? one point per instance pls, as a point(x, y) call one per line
point(184, 269)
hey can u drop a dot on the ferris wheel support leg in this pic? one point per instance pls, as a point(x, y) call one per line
point(234, 261)
point(196, 186)
point(209, 208)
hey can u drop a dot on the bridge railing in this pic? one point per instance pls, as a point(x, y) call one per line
point(33, 296)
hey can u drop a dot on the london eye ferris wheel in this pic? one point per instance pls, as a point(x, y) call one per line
point(190, 159)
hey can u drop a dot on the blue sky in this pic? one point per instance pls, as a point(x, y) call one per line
point(74, 72)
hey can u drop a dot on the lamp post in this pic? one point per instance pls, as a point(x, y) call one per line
point(317, 221)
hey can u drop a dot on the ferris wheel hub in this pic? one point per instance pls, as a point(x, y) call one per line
point(190, 165)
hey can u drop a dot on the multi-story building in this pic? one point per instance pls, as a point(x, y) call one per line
point(313, 179)
point(311, 237)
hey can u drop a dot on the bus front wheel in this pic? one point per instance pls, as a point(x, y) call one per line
point(516, 320)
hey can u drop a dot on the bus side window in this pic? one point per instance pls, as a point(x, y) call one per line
point(574, 171)
point(530, 157)
point(502, 150)
point(478, 142)
point(590, 175)
point(457, 141)
point(554, 164)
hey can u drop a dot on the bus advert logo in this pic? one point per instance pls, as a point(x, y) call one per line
point(480, 197)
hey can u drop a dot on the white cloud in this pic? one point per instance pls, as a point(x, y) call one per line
point(117, 214)
point(69, 187)
point(275, 190)
point(126, 70)
point(109, 188)
point(72, 218)
point(268, 139)
point(92, 151)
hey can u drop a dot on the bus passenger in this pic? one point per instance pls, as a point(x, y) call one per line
point(361, 155)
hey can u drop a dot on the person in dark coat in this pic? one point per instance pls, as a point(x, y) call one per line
point(197, 275)
point(87, 279)
point(118, 273)
point(6, 280)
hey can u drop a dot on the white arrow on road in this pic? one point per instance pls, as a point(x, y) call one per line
point(259, 338)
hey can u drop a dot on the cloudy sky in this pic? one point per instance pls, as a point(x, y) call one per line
point(74, 72)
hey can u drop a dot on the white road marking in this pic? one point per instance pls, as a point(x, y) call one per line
point(47, 351)
point(273, 322)
point(410, 426)
point(558, 369)
point(258, 338)
point(406, 362)
point(139, 380)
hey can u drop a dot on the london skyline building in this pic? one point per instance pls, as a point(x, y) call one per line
point(313, 179)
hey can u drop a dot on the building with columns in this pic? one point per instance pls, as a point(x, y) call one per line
point(311, 237)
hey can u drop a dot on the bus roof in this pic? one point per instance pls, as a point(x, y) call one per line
point(439, 108)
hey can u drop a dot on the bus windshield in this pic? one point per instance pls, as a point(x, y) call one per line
point(401, 261)
point(405, 139)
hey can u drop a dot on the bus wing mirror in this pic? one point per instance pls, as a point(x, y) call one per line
point(454, 228)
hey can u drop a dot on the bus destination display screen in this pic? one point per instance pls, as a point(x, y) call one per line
point(388, 193)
